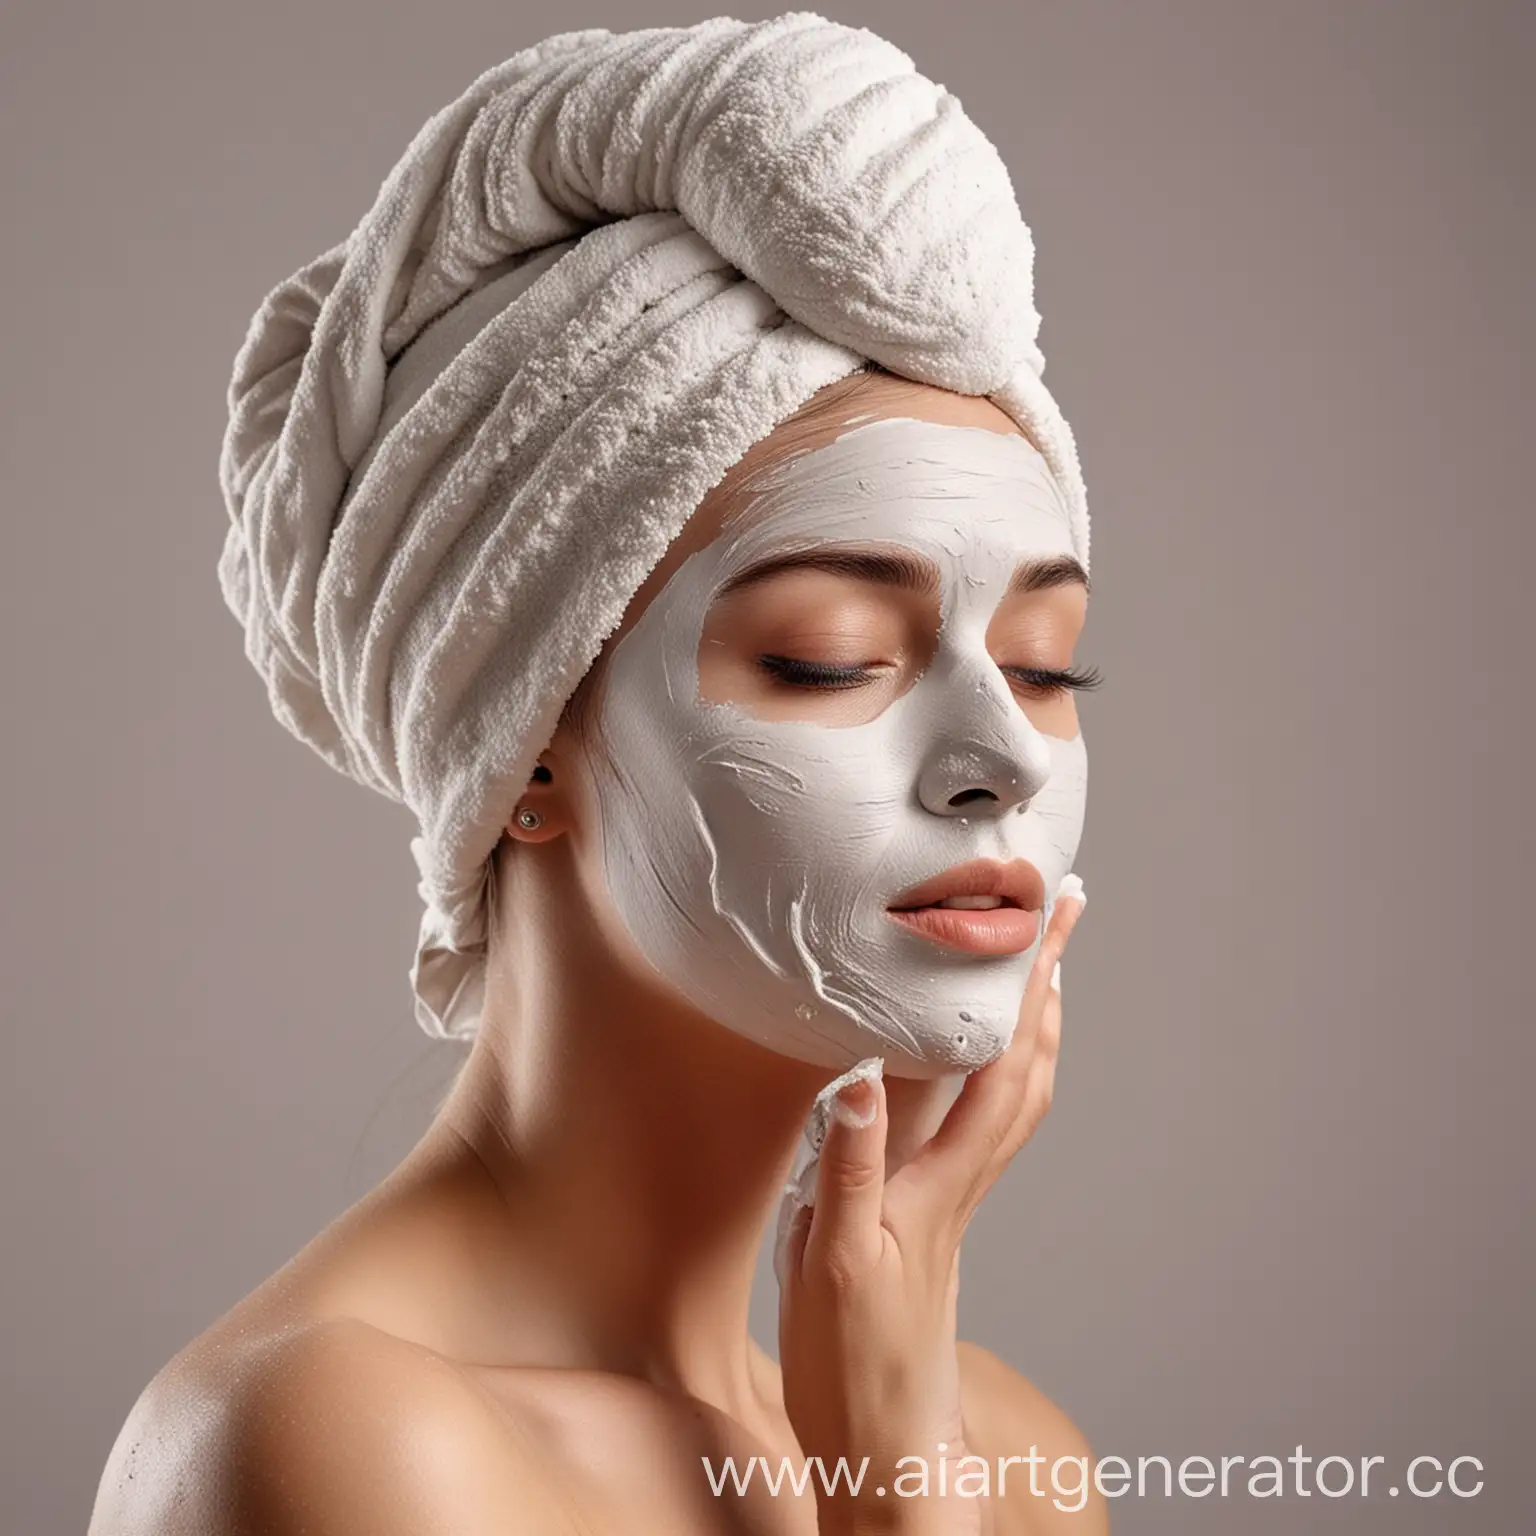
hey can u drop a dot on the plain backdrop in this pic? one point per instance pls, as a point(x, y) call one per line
point(1284, 257)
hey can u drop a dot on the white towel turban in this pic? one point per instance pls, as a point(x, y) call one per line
point(460, 440)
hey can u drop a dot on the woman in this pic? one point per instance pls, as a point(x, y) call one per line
point(658, 495)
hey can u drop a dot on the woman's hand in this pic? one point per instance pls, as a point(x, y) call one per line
point(869, 1276)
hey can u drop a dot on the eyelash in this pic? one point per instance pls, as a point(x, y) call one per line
point(826, 676)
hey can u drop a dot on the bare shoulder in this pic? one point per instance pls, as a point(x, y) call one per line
point(1030, 1443)
point(326, 1427)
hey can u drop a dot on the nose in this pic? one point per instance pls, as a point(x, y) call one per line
point(986, 758)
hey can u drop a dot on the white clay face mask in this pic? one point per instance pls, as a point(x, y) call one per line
point(752, 861)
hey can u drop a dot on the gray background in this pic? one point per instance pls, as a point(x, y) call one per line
point(1284, 1195)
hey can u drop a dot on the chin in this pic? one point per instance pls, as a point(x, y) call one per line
point(931, 1068)
point(948, 1038)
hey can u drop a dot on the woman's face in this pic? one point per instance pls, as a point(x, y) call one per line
point(853, 672)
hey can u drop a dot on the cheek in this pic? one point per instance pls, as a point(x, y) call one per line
point(1052, 716)
point(799, 798)
point(604, 818)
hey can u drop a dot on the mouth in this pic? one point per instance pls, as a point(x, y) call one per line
point(985, 907)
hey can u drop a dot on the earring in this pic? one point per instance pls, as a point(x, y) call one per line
point(528, 819)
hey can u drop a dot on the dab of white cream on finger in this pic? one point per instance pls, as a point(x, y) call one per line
point(829, 1106)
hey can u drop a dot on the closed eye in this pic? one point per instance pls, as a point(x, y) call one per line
point(1043, 681)
point(1051, 684)
point(816, 674)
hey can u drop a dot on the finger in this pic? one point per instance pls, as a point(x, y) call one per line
point(1039, 1082)
point(793, 1226)
point(965, 1155)
point(1048, 1037)
point(845, 1237)
point(1041, 1086)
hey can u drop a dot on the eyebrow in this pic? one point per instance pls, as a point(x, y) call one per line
point(1048, 571)
point(911, 573)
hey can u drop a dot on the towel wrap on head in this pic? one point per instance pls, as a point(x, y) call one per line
point(460, 440)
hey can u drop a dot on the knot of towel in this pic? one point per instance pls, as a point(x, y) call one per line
point(460, 440)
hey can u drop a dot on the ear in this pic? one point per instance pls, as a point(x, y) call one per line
point(546, 799)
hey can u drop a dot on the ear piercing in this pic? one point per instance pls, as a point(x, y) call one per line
point(528, 819)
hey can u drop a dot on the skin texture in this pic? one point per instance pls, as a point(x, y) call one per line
point(538, 1322)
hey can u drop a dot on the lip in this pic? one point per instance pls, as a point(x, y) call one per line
point(1018, 883)
point(998, 931)
point(1006, 930)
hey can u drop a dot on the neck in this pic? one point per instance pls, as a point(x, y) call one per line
point(637, 1150)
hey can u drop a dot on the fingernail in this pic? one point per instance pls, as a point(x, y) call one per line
point(1071, 889)
point(1056, 977)
point(854, 1106)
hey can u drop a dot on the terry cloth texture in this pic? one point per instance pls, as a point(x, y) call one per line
point(460, 440)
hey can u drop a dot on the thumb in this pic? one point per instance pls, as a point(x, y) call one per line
point(848, 1128)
